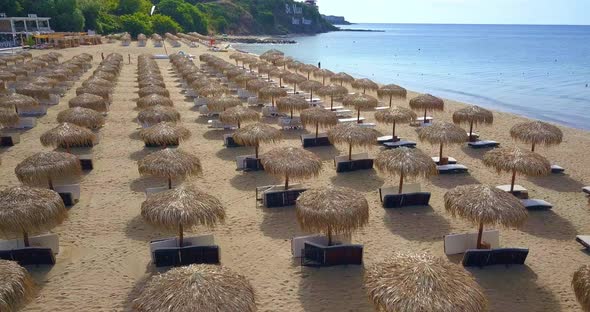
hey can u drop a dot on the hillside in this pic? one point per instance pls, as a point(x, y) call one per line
point(234, 17)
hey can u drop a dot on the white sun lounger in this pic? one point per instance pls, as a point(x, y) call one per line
point(451, 168)
point(8, 138)
point(536, 204)
point(287, 123)
point(584, 240)
point(48, 240)
point(335, 108)
point(72, 189)
point(451, 160)
point(517, 188)
point(25, 123)
point(200, 101)
point(586, 190)
point(297, 243)
point(459, 243)
point(348, 120)
point(240, 160)
point(216, 124)
point(483, 144)
point(557, 169)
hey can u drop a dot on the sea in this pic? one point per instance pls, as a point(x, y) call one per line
point(541, 72)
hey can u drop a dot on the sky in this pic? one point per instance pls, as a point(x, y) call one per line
point(561, 12)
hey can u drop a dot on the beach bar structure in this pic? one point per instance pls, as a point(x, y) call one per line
point(17, 28)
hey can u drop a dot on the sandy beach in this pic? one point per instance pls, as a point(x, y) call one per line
point(104, 258)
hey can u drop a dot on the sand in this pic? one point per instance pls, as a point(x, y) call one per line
point(104, 256)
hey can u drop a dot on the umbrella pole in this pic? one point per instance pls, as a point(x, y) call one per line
point(26, 238)
point(440, 154)
point(180, 235)
point(295, 88)
point(479, 235)
point(349, 151)
point(291, 112)
point(169, 183)
point(286, 182)
point(317, 127)
point(329, 236)
point(390, 100)
point(68, 148)
point(470, 130)
point(311, 95)
point(50, 183)
point(272, 99)
point(393, 133)
point(358, 116)
point(331, 102)
point(401, 182)
point(280, 82)
point(256, 149)
point(533, 148)
point(238, 124)
point(424, 115)
point(513, 179)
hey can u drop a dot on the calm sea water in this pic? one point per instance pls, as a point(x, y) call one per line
point(541, 72)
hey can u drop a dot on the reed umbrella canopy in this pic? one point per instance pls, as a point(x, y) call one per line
point(310, 85)
point(153, 90)
point(421, 282)
point(8, 117)
point(537, 132)
point(353, 135)
point(17, 102)
point(156, 114)
point(392, 91)
point(405, 162)
point(332, 91)
point(221, 103)
point(332, 210)
point(295, 79)
point(317, 117)
point(364, 84)
point(68, 135)
point(16, 286)
point(360, 101)
point(442, 133)
point(238, 115)
point(427, 102)
point(324, 73)
point(43, 167)
point(473, 115)
point(25, 210)
point(197, 287)
point(342, 78)
point(170, 163)
point(581, 284)
point(151, 100)
point(182, 208)
point(291, 162)
point(164, 134)
point(516, 160)
point(485, 205)
point(272, 92)
point(308, 69)
point(292, 103)
point(91, 101)
point(256, 133)
point(394, 115)
point(212, 89)
point(83, 117)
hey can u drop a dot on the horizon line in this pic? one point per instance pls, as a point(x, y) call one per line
point(488, 24)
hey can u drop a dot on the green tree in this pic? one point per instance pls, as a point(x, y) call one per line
point(107, 23)
point(90, 9)
point(135, 24)
point(68, 17)
point(134, 6)
point(162, 24)
point(11, 7)
point(187, 15)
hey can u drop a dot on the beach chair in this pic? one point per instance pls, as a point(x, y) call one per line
point(360, 161)
point(459, 243)
point(216, 124)
point(152, 190)
point(557, 169)
point(446, 160)
point(334, 108)
point(411, 196)
point(343, 113)
point(314, 101)
point(253, 101)
point(205, 112)
point(85, 157)
point(349, 120)
point(452, 169)
point(287, 123)
point(584, 240)
point(69, 193)
point(400, 143)
point(536, 204)
point(322, 255)
point(25, 123)
point(273, 196)
point(297, 243)
point(200, 101)
point(519, 191)
point(500, 256)
point(199, 255)
point(310, 140)
point(228, 141)
point(9, 138)
point(38, 111)
point(586, 189)
point(33, 256)
point(248, 162)
point(483, 144)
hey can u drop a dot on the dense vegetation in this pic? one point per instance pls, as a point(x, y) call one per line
point(202, 16)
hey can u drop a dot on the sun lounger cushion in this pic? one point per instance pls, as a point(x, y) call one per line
point(33, 256)
point(252, 164)
point(9, 139)
point(451, 169)
point(485, 257)
point(199, 255)
point(297, 243)
point(483, 144)
point(166, 257)
point(281, 198)
point(406, 200)
point(174, 144)
point(320, 255)
point(536, 204)
point(5, 255)
point(400, 143)
point(557, 169)
point(320, 141)
point(459, 243)
point(450, 160)
point(584, 240)
point(230, 142)
point(353, 165)
point(67, 198)
point(586, 190)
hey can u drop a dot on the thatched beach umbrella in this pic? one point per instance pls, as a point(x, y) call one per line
point(256, 133)
point(392, 91)
point(99, 90)
point(405, 162)
point(256, 84)
point(395, 115)
point(91, 101)
point(153, 90)
point(17, 102)
point(244, 78)
point(170, 163)
point(324, 73)
point(221, 103)
point(67, 134)
point(164, 134)
point(364, 84)
point(342, 78)
point(16, 286)
point(153, 100)
point(83, 117)
point(8, 117)
point(516, 160)
point(537, 132)
point(353, 135)
point(292, 103)
point(157, 114)
point(98, 81)
point(442, 133)
point(332, 91)
point(279, 73)
point(271, 52)
point(291, 162)
point(272, 92)
point(473, 115)
point(360, 101)
point(294, 79)
point(45, 166)
point(25, 210)
point(151, 82)
point(294, 65)
point(332, 210)
point(420, 282)
point(197, 287)
point(427, 102)
point(182, 208)
point(310, 85)
point(317, 117)
point(485, 205)
point(238, 114)
point(212, 89)
point(581, 284)
point(34, 90)
point(308, 69)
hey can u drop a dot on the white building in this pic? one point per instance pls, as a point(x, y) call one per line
point(12, 28)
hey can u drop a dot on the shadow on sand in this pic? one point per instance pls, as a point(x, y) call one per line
point(280, 223)
point(248, 181)
point(449, 181)
point(362, 180)
point(420, 223)
point(558, 182)
point(548, 224)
